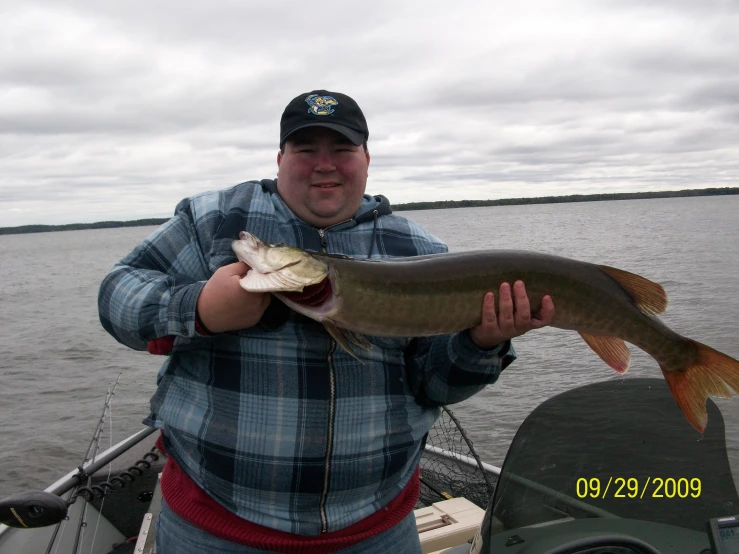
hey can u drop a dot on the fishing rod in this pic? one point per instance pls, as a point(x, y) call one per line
point(93, 448)
point(95, 441)
point(37, 508)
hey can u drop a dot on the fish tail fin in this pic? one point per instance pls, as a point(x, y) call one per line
point(706, 373)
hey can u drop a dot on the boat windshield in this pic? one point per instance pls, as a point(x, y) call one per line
point(619, 449)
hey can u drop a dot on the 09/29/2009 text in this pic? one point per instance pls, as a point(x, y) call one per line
point(631, 487)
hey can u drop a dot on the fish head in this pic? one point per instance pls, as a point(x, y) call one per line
point(276, 267)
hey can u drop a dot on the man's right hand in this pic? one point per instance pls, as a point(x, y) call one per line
point(224, 306)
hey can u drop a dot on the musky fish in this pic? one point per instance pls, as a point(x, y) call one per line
point(443, 293)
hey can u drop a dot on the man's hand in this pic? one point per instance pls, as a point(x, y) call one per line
point(224, 306)
point(513, 318)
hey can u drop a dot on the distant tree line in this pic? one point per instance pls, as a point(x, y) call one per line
point(562, 199)
point(78, 226)
point(411, 206)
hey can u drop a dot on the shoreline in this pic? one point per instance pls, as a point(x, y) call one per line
point(437, 205)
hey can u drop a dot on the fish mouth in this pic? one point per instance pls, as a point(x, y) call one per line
point(278, 267)
point(255, 253)
point(283, 280)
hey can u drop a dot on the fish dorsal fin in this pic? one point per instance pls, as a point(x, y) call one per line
point(339, 336)
point(648, 296)
point(612, 350)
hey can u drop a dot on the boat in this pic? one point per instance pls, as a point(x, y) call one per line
point(610, 467)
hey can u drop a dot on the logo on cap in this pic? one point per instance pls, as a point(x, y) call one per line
point(321, 105)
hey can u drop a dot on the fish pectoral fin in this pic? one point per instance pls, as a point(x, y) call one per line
point(338, 335)
point(357, 339)
point(612, 350)
point(648, 296)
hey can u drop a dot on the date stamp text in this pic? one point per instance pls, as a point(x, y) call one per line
point(645, 487)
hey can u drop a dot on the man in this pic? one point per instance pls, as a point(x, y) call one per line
point(278, 441)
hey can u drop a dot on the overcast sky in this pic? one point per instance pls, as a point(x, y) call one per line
point(118, 109)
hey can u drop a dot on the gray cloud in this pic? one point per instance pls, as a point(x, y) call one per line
point(116, 110)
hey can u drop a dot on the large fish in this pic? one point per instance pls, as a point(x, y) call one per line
point(443, 293)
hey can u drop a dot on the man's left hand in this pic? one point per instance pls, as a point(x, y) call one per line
point(514, 316)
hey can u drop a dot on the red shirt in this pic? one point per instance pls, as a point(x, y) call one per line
point(192, 504)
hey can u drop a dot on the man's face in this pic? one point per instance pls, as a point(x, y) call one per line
point(322, 176)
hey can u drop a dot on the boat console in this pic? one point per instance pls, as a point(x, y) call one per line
point(614, 467)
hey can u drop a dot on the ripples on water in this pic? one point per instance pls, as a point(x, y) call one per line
point(56, 362)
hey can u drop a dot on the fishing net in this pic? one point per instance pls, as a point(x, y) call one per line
point(450, 467)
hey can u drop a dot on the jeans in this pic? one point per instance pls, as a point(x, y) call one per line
point(177, 536)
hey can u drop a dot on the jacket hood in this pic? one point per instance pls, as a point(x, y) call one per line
point(369, 205)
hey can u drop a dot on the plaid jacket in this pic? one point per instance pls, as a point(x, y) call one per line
point(275, 422)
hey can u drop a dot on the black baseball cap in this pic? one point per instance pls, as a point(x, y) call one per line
point(321, 108)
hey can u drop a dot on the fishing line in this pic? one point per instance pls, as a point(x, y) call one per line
point(63, 525)
point(95, 447)
point(92, 449)
point(110, 471)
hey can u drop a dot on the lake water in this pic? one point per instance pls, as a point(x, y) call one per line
point(56, 362)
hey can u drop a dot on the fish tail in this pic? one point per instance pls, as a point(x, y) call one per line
point(706, 373)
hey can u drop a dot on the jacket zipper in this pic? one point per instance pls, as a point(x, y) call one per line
point(322, 234)
point(331, 405)
point(330, 437)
